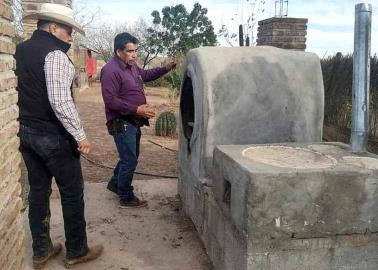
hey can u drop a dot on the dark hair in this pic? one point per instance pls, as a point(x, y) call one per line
point(42, 24)
point(122, 39)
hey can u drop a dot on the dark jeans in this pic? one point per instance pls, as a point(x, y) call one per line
point(50, 155)
point(127, 143)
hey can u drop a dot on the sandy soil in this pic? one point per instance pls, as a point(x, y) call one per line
point(159, 237)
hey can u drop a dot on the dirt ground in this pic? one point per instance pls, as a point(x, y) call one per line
point(159, 237)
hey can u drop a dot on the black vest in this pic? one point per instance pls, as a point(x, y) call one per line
point(35, 108)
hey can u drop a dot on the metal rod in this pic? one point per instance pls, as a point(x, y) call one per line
point(287, 8)
point(281, 9)
point(361, 78)
point(241, 36)
point(277, 7)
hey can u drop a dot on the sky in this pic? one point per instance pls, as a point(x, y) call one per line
point(330, 27)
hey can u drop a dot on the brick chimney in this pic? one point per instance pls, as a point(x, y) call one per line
point(285, 33)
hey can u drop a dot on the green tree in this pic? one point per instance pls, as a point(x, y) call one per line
point(151, 45)
point(175, 30)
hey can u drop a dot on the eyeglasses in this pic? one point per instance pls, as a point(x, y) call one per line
point(66, 28)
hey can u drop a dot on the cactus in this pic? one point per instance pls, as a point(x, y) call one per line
point(165, 124)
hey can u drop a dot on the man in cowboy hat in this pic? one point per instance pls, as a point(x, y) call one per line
point(51, 134)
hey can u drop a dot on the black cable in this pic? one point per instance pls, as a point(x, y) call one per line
point(139, 173)
point(162, 146)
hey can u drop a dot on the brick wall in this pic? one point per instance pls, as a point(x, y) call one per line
point(11, 223)
point(33, 5)
point(286, 33)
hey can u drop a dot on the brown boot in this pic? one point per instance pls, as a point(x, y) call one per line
point(41, 262)
point(93, 253)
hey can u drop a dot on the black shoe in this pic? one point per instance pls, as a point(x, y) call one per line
point(112, 188)
point(135, 203)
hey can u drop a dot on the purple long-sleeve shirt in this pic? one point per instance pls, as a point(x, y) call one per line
point(122, 89)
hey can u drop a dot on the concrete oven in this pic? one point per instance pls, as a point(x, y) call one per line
point(260, 187)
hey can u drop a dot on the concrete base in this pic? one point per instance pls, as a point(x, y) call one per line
point(344, 252)
point(230, 249)
point(318, 212)
point(307, 193)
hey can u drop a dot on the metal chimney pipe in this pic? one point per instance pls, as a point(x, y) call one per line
point(361, 78)
point(241, 36)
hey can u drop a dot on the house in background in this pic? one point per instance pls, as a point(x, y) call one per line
point(85, 61)
point(91, 67)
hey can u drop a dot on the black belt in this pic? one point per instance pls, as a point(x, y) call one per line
point(116, 125)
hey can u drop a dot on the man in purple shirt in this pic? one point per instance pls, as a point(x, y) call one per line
point(126, 111)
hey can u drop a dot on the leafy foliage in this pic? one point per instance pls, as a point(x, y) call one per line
point(172, 79)
point(175, 30)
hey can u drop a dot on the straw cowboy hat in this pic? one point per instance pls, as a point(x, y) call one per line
point(56, 13)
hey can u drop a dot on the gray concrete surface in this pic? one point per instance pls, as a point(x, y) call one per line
point(159, 237)
point(251, 95)
point(296, 218)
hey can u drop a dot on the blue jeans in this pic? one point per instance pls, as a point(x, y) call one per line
point(49, 155)
point(127, 143)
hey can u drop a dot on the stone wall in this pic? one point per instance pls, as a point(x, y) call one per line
point(285, 33)
point(11, 222)
point(33, 5)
